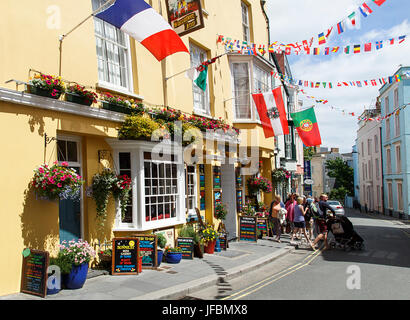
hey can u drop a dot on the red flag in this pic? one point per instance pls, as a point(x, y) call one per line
point(367, 47)
point(379, 2)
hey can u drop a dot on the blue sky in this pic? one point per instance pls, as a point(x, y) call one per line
point(298, 20)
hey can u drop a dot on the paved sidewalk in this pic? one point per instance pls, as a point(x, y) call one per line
point(175, 281)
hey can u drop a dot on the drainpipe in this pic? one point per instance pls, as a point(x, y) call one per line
point(382, 172)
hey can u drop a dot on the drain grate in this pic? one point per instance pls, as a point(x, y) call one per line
point(172, 272)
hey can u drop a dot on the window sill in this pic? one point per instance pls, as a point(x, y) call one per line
point(150, 226)
point(239, 121)
point(200, 114)
point(120, 90)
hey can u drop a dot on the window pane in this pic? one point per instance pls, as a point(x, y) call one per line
point(125, 160)
point(241, 91)
point(61, 150)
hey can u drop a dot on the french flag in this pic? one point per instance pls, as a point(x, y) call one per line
point(265, 104)
point(144, 24)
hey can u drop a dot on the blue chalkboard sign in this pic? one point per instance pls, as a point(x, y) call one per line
point(148, 249)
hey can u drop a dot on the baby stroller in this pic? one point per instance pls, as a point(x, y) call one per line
point(345, 236)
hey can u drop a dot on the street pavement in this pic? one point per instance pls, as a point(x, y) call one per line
point(380, 271)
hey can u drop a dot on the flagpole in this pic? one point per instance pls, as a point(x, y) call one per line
point(176, 74)
point(62, 37)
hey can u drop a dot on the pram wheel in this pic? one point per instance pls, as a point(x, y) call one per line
point(359, 245)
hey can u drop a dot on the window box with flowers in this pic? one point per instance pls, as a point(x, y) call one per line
point(78, 94)
point(120, 104)
point(46, 86)
point(57, 182)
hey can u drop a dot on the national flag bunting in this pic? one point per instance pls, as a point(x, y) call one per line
point(322, 39)
point(272, 113)
point(356, 48)
point(139, 20)
point(379, 45)
point(307, 127)
point(367, 47)
point(365, 10)
point(340, 27)
point(379, 2)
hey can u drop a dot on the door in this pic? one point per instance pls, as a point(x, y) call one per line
point(70, 217)
point(68, 150)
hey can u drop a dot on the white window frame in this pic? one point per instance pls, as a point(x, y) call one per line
point(109, 85)
point(251, 63)
point(136, 150)
point(206, 111)
point(245, 24)
point(194, 196)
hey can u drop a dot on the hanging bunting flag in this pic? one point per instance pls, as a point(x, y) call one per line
point(367, 47)
point(340, 27)
point(327, 49)
point(307, 127)
point(365, 10)
point(329, 31)
point(144, 24)
point(379, 2)
point(402, 38)
point(316, 51)
point(322, 39)
point(347, 49)
point(391, 41)
point(335, 49)
point(379, 45)
point(356, 48)
point(272, 113)
point(352, 18)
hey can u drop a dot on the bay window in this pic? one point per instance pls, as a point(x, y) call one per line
point(157, 197)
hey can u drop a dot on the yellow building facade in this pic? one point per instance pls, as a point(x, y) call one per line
point(36, 130)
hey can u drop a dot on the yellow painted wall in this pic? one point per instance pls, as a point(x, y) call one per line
point(30, 40)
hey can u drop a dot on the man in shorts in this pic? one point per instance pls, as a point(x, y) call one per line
point(321, 220)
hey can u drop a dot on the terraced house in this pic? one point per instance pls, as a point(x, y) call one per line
point(166, 190)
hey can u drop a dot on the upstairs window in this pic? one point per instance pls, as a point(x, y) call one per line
point(245, 22)
point(242, 92)
point(112, 53)
point(201, 97)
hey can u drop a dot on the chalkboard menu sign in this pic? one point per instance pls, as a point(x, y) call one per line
point(148, 249)
point(217, 177)
point(125, 256)
point(247, 228)
point(262, 225)
point(34, 272)
point(223, 241)
point(187, 246)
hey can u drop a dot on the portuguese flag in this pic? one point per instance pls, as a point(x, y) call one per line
point(307, 127)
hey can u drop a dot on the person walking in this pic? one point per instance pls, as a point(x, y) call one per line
point(299, 221)
point(321, 220)
point(308, 205)
point(274, 216)
point(290, 207)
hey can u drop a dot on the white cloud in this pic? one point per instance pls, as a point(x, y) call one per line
point(299, 20)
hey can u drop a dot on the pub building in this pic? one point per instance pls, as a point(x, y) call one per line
point(167, 184)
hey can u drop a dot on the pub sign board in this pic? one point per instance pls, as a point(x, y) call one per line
point(34, 272)
point(125, 253)
point(148, 249)
point(262, 225)
point(185, 16)
point(247, 229)
point(223, 241)
point(187, 246)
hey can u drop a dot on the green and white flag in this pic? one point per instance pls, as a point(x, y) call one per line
point(199, 76)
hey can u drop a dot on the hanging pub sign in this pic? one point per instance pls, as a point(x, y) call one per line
point(185, 16)
point(148, 250)
point(34, 272)
point(187, 246)
point(247, 229)
point(125, 253)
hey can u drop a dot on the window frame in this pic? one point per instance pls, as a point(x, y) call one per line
point(245, 24)
point(390, 195)
point(207, 111)
point(136, 150)
point(192, 211)
point(388, 161)
point(400, 202)
point(397, 150)
point(127, 48)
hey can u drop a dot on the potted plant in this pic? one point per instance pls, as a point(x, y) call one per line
point(248, 209)
point(173, 255)
point(78, 94)
point(79, 253)
point(161, 242)
point(57, 182)
point(220, 211)
point(64, 264)
point(137, 128)
point(116, 103)
point(209, 237)
point(102, 184)
point(46, 86)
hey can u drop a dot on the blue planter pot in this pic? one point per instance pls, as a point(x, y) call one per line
point(76, 278)
point(173, 257)
point(160, 255)
point(217, 246)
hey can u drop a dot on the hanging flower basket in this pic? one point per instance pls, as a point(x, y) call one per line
point(57, 182)
point(256, 184)
point(280, 176)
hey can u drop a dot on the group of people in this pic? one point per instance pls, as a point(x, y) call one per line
point(301, 215)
